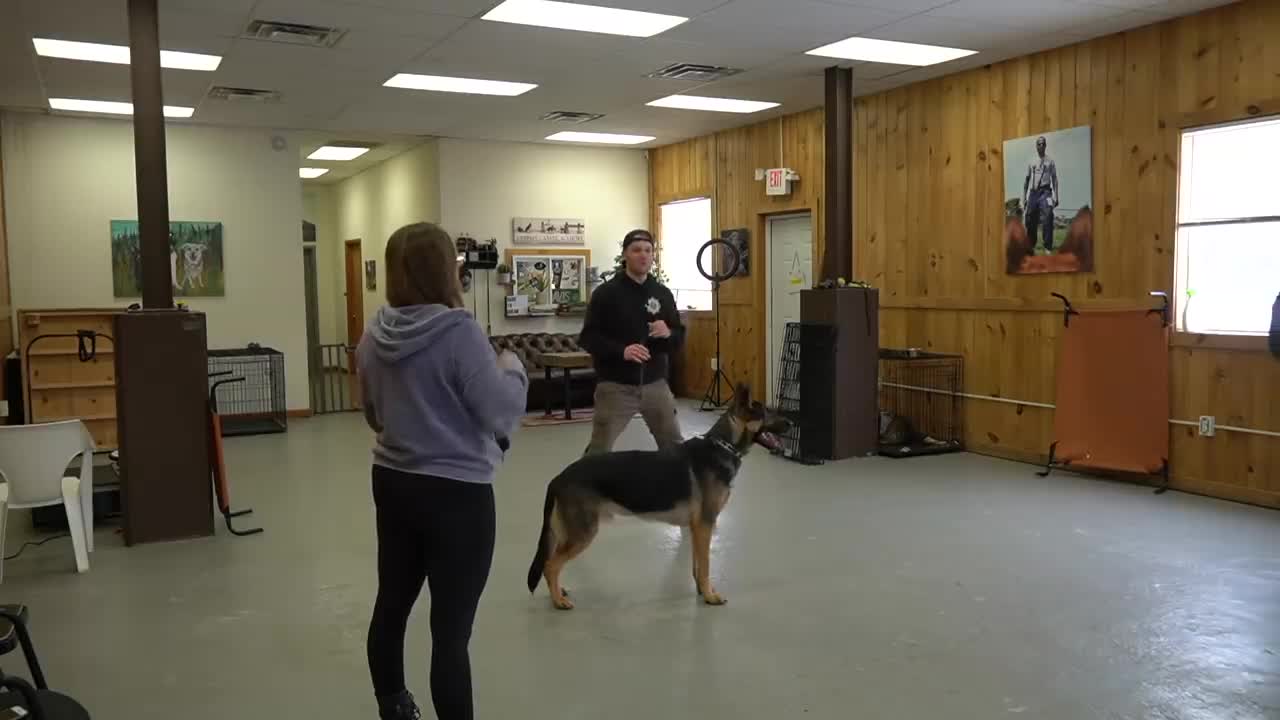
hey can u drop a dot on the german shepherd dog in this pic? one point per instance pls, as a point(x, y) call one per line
point(686, 486)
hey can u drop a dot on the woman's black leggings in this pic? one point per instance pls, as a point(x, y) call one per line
point(440, 531)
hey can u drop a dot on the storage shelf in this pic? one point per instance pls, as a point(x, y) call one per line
point(73, 385)
point(60, 418)
point(56, 353)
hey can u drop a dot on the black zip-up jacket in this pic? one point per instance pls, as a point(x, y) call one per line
point(619, 315)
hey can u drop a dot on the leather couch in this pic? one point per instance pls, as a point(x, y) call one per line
point(528, 346)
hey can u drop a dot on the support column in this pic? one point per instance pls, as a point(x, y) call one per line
point(149, 153)
point(837, 259)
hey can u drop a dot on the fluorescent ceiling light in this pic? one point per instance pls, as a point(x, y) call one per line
point(119, 54)
point(693, 102)
point(587, 18)
point(441, 83)
point(337, 152)
point(113, 108)
point(309, 173)
point(606, 138)
point(890, 51)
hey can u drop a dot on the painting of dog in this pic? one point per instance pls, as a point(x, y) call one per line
point(195, 259)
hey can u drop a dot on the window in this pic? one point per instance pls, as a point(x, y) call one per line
point(1228, 251)
point(686, 226)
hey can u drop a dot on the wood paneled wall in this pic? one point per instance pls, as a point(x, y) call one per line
point(929, 218)
point(6, 310)
point(722, 167)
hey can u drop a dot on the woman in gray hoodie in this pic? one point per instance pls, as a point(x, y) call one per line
point(438, 398)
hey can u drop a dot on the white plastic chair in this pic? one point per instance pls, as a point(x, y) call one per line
point(33, 460)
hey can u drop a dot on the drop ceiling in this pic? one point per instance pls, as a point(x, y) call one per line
point(336, 94)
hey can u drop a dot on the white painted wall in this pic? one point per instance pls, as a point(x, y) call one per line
point(370, 206)
point(67, 178)
point(483, 185)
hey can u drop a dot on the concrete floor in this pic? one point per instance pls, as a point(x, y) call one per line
point(950, 587)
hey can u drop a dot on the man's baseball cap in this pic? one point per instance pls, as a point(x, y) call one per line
point(637, 235)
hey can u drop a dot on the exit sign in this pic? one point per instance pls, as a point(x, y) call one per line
point(777, 181)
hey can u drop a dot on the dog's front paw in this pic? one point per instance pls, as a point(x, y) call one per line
point(714, 598)
point(562, 603)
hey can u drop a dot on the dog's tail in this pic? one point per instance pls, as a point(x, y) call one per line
point(545, 541)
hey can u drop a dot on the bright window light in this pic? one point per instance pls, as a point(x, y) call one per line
point(586, 18)
point(1228, 246)
point(711, 104)
point(686, 226)
point(890, 51)
point(310, 173)
point(112, 108)
point(605, 138)
point(119, 54)
point(337, 152)
point(441, 83)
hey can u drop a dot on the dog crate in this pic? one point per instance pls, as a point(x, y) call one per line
point(921, 403)
point(787, 397)
point(250, 391)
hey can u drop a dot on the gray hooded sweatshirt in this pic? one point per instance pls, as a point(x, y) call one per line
point(434, 394)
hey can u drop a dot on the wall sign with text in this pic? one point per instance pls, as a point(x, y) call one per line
point(548, 231)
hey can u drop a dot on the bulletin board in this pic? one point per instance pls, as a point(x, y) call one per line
point(544, 280)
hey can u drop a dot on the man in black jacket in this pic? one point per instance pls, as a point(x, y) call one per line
point(631, 328)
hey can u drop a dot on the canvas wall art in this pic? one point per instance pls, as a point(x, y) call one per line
point(740, 239)
point(548, 231)
point(195, 259)
point(1048, 207)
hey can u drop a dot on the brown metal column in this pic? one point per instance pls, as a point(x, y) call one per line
point(149, 153)
point(837, 258)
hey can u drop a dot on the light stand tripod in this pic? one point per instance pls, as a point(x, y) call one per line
point(712, 399)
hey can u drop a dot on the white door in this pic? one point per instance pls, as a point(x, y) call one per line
point(789, 243)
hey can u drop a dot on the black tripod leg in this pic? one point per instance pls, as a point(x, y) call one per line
point(1048, 467)
point(1164, 476)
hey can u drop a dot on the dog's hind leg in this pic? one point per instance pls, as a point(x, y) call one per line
point(565, 551)
point(702, 561)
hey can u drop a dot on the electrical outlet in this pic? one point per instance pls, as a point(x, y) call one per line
point(714, 367)
point(1207, 425)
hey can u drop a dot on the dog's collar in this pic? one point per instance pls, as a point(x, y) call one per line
point(727, 446)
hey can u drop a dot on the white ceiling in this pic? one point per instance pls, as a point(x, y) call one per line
point(337, 93)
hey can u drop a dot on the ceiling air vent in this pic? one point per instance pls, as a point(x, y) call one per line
point(570, 117)
point(694, 72)
point(222, 92)
point(293, 33)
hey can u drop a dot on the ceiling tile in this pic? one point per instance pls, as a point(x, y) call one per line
point(905, 6)
point(1040, 15)
point(456, 8)
point(333, 13)
point(794, 26)
point(951, 33)
point(104, 81)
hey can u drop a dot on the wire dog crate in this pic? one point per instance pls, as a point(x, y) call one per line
point(256, 405)
point(921, 403)
point(787, 397)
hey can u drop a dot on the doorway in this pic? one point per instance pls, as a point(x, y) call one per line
point(354, 264)
point(354, 293)
point(311, 287)
point(789, 247)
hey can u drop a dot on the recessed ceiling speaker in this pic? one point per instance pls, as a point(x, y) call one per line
point(278, 143)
